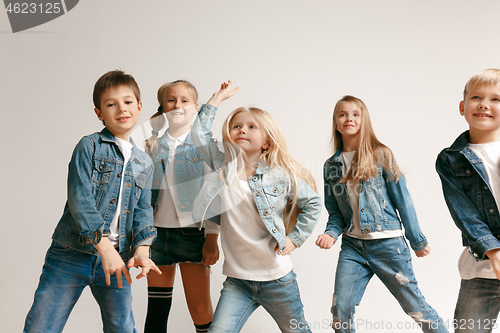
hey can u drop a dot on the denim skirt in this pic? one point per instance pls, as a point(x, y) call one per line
point(178, 245)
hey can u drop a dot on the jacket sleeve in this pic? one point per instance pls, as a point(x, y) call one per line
point(81, 201)
point(143, 232)
point(335, 218)
point(309, 203)
point(401, 198)
point(464, 212)
point(201, 134)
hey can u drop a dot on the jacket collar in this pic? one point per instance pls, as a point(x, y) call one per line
point(336, 156)
point(262, 168)
point(461, 142)
point(107, 136)
point(163, 139)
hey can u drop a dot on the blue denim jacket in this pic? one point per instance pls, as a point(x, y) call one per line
point(94, 177)
point(188, 171)
point(270, 188)
point(469, 197)
point(378, 201)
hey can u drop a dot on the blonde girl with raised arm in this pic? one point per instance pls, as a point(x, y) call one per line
point(177, 179)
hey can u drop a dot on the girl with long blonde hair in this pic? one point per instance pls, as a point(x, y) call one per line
point(368, 203)
point(268, 207)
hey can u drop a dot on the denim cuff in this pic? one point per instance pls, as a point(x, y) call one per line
point(93, 238)
point(295, 237)
point(208, 109)
point(420, 245)
point(483, 245)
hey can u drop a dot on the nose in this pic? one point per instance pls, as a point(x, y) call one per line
point(484, 105)
point(242, 130)
point(178, 105)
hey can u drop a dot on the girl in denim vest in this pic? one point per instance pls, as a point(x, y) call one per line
point(269, 207)
point(177, 179)
point(367, 201)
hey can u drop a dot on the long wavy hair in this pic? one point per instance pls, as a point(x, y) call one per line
point(276, 155)
point(370, 152)
point(157, 120)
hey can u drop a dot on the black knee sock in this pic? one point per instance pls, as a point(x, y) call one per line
point(159, 303)
point(202, 328)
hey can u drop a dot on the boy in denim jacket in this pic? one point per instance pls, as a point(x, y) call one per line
point(107, 219)
point(470, 176)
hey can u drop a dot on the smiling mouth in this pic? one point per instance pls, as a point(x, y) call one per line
point(482, 115)
point(123, 118)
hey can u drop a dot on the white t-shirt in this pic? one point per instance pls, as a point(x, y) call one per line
point(126, 149)
point(248, 245)
point(489, 153)
point(353, 192)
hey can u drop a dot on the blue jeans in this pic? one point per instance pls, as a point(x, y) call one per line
point(65, 274)
point(390, 260)
point(240, 298)
point(478, 305)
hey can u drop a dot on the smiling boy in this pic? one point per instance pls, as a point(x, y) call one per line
point(470, 176)
point(107, 219)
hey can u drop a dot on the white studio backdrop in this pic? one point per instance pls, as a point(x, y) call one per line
point(408, 61)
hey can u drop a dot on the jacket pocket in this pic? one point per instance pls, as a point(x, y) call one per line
point(468, 177)
point(101, 176)
point(140, 183)
point(275, 194)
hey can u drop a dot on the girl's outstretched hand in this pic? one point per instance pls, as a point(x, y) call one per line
point(325, 241)
point(289, 247)
point(225, 91)
point(425, 251)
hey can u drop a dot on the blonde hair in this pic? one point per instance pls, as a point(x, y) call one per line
point(275, 155)
point(486, 77)
point(370, 152)
point(157, 120)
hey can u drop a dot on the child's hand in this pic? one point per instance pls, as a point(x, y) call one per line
point(425, 251)
point(224, 93)
point(210, 250)
point(112, 263)
point(289, 247)
point(494, 256)
point(325, 241)
point(141, 259)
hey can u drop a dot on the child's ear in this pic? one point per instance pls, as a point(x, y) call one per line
point(461, 108)
point(265, 145)
point(99, 114)
point(139, 107)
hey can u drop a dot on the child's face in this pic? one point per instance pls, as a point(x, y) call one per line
point(180, 106)
point(247, 133)
point(119, 110)
point(481, 109)
point(349, 120)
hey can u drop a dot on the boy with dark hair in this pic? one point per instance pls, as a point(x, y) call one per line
point(107, 219)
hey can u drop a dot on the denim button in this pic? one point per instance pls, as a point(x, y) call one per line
point(491, 210)
point(157, 183)
point(219, 167)
point(162, 161)
point(101, 166)
point(259, 192)
point(113, 200)
point(266, 213)
point(275, 190)
point(362, 210)
point(486, 187)
point(467, 171)
point(274, 230)
point(367, 230)
point(119, 174)
point(254, 178)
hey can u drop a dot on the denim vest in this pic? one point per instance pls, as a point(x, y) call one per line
point(94, 178)
point(378, 201)
point(188, 171)
point(270, 188)
point(469, 197)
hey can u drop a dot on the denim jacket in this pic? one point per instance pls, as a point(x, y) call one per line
point(270, 188)
point(94, 177)
point(188, 171)
point(380, 200)
point(469, 197)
